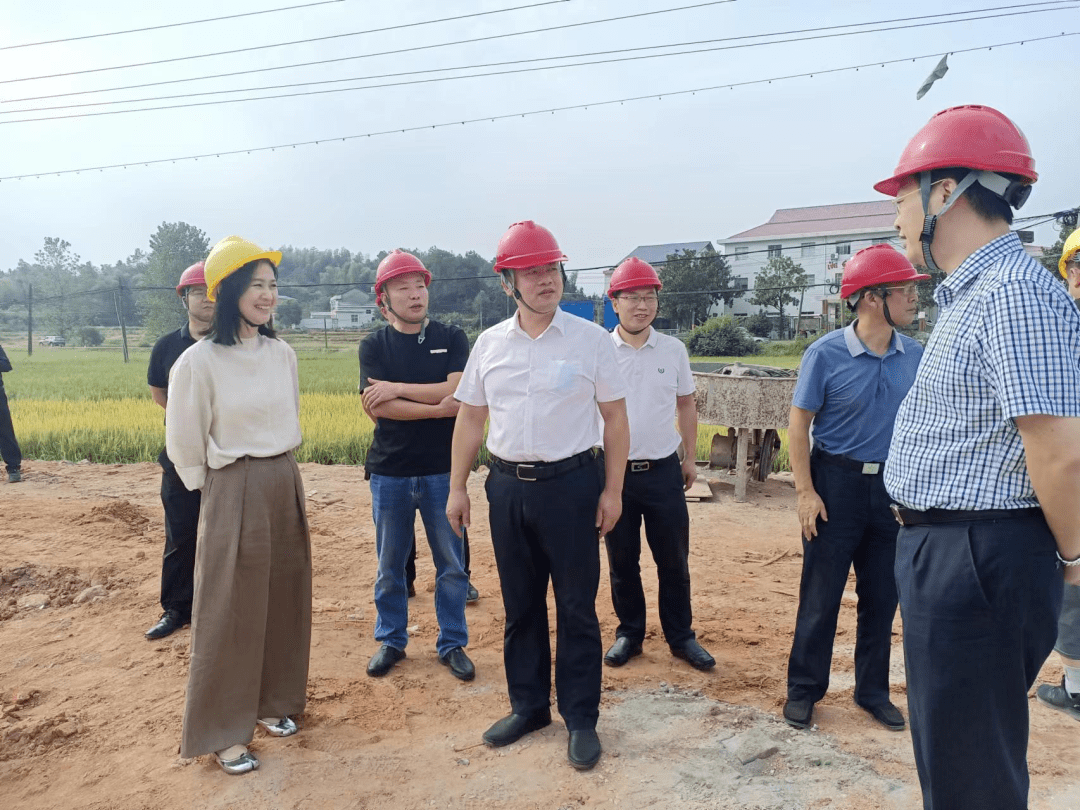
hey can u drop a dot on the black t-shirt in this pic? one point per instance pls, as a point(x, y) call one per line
point(167, 351)
point(416, 447)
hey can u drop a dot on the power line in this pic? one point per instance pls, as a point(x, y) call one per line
point(471, 67)
point(168, 25)
point(505, 116)
point(378, 30)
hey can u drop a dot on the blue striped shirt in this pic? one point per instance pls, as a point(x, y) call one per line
point(1006, 344)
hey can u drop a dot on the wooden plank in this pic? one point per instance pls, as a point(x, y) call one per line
point(699, 491)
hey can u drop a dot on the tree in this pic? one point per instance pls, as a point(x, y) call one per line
point(289, 312)
point(57, 272)
point(776, 283)
point(693, 282)
point(174, 247)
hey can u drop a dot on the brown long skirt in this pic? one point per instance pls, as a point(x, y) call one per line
point(251, 618)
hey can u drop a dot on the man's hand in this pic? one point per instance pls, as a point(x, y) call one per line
point(379, 391)
point(689, 473)
point(608, 511)
point(810, 508)
point(457, 509)
point(448, 408)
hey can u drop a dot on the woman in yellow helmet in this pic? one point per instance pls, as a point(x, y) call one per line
point(232, 423)
point(1069, 263)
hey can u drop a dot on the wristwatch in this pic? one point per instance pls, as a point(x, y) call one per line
point(1067, 563)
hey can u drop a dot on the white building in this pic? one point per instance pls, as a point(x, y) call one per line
point(352, 310)
point(820, 238)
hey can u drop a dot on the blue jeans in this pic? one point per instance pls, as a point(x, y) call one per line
point(394, 502)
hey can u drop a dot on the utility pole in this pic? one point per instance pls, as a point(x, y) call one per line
point(118, 299)
point(30, 320)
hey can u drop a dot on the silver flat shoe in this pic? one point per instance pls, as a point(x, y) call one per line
point(285, 727)
point(242, 764)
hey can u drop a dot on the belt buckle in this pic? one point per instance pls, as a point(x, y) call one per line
point(639, 466)
point(895, 509)
point(517, 471)
point(871, 467)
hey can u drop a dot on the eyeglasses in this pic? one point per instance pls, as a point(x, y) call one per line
point(898, 200)
point(634, 300)
point(196, 293)
point(908, 290)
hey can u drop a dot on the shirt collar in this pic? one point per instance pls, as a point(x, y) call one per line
point(856, 347)
point(651, 341)
point(185, 332)
point(558, 323)
point(969, 270)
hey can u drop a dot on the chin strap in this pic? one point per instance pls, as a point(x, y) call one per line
point(991, 181)
point(517, 292)
point(423, 321)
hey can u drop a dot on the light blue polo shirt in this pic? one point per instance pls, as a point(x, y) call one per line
point(855, 394)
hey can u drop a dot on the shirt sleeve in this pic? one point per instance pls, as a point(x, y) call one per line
point(686, 375)
point(294, 372)
point(1032, 356)
point(188, 415)
point(459, 351)
point(609, 381)
point(371, 361)
point(470, 388)
point(155, 374)
point(810, 388)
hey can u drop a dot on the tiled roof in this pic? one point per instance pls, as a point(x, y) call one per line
point(877, 215)
point(654, 254)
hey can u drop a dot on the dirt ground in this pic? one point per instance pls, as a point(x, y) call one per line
point(91, 711)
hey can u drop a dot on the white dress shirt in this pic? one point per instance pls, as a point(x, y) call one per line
point(542, 393)
point(655, 375)
point(226, 402)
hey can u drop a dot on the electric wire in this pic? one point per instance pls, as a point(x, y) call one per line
point(1069, 3)
point(467, 67)
point(168, 25)
point(506, 116)
point(376, 30)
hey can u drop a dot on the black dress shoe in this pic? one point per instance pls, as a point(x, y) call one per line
point(583, 749)
point(471, 594)
point(694, 654)
point(799, 713)
point(169, 623)
point(460, 665)
point(622, 651)
point(886, 714)
point(383, 661)
point(515, 726)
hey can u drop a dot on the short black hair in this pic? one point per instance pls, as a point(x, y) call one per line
point(226, 325)
point(982, 200)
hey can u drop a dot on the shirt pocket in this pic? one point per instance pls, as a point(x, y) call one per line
point(563, 376)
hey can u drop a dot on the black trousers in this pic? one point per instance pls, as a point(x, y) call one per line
point(860, 532)
point(181, 528)
point(410, 563)
point(9, 447)
point(655, 496)
point(546, 530)
point(980, 604)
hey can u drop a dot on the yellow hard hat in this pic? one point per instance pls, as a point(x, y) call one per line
point(1072, 245)
point(228, 256)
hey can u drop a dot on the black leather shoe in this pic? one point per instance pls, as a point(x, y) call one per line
point(471, 594)
point(694, 654)
point(622, 651)
point(886, 714)
point(460, 665)
point(515, 726)
point(799, 713)
point(583, 749)
point(169, 623)
point(383, 661)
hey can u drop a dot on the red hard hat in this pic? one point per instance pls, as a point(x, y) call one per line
point(632, 274)
point(876, 266)
point(972, 137)
point(395, 264)
point(526, 244)
point(194, 276)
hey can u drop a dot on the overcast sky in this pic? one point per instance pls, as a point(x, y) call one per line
point(605, 179)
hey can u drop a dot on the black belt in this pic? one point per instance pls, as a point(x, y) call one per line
point(644, 465)
point(916, 517)
point(864, 467)
point(539, 470)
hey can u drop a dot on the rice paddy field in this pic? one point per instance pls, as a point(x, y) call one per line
point(73, 404)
